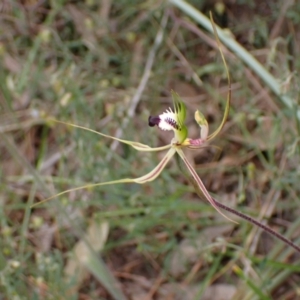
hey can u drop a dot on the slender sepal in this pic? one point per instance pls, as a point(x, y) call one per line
point(135, 145)
point(140, 180)
point(227, 106)
point(200, 184)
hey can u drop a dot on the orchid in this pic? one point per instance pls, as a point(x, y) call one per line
point(167, 121)
point(174, 120)
point(170, 120)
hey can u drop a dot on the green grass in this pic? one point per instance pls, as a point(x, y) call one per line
point(74, 62)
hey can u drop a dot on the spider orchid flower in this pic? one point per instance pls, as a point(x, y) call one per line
point(169, 120)
point(174, 120)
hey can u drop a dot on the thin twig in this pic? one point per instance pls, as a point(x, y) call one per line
point(275, 32)
point(137, 96)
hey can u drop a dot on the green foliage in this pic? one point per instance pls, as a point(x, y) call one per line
point(82, 62)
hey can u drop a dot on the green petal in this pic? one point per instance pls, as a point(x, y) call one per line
point(180, 111)
point(179, 108)
point(201, 121)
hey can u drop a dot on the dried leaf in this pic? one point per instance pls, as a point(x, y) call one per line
point(96, 236)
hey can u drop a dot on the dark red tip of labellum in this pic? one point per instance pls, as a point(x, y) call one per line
point(152, 121)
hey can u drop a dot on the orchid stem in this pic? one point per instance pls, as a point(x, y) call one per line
point(266, 228)
point(249, 219)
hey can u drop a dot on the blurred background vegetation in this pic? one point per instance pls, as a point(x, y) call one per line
point(82, 62)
